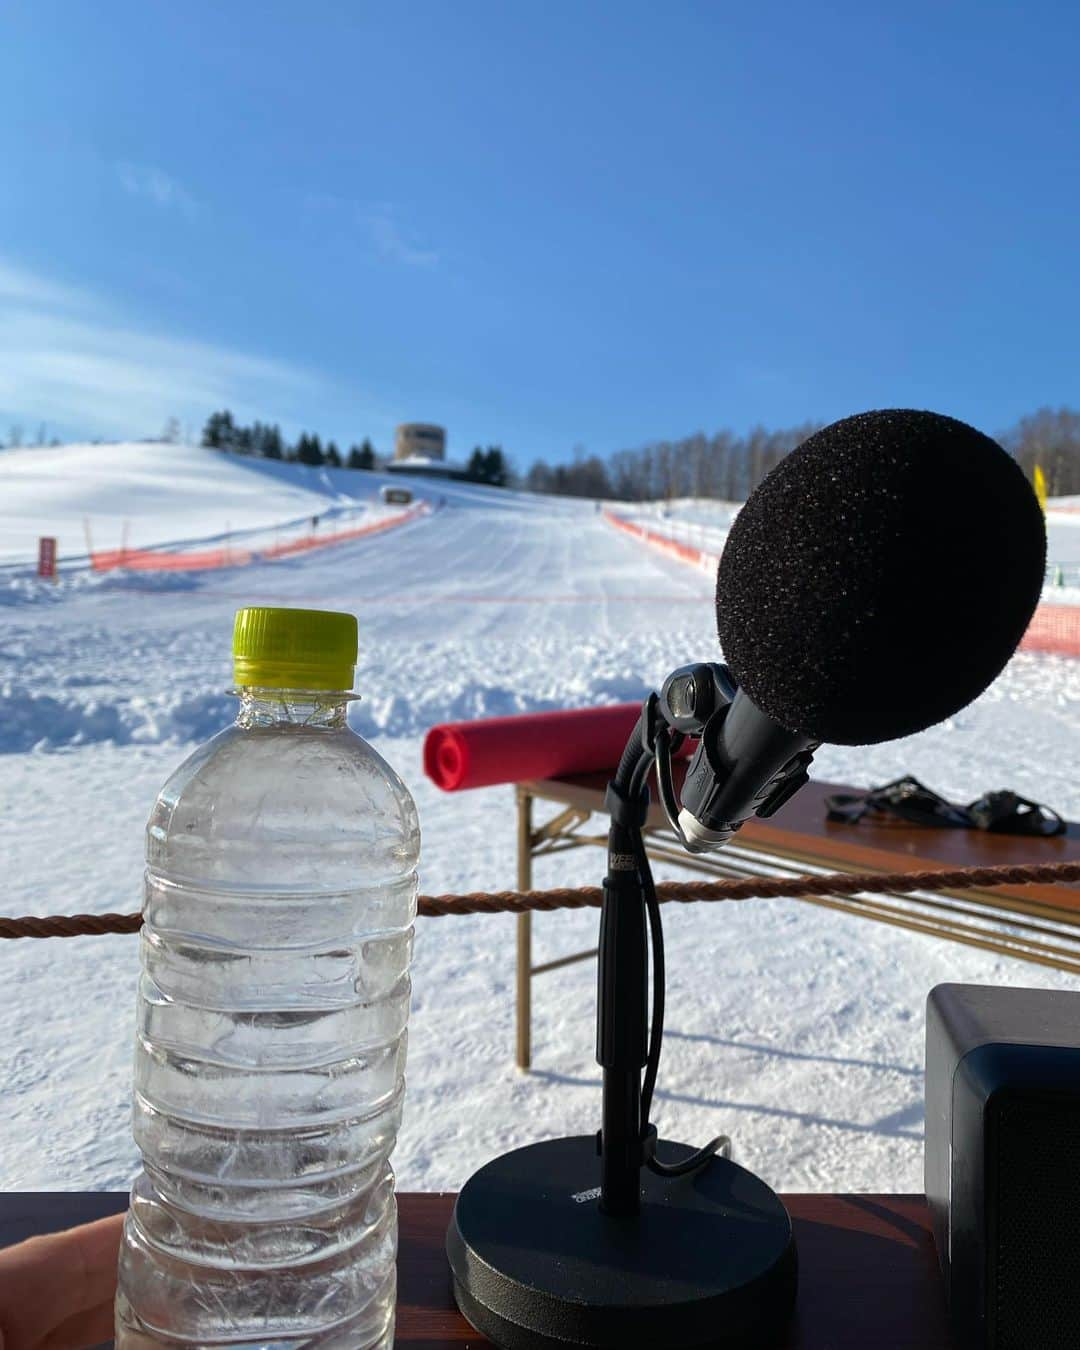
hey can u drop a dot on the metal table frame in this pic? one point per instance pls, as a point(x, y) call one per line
point(1039, 924)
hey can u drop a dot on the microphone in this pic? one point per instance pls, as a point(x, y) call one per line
point(880, 577)
point(875, 583)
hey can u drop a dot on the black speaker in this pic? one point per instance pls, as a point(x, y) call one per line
point(1003, 1162)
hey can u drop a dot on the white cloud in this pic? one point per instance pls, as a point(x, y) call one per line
point(67, 358)
point(155, 185)
point(22, 287)
point(391, 242)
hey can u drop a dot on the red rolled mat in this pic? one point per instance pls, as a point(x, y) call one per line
point(534, 745)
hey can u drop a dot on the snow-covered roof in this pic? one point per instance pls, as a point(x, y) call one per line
point(423, 464)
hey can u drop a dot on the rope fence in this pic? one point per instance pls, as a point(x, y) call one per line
point(590, 897)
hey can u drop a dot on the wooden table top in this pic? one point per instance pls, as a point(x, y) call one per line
point(800, 830)
point(868, 1274)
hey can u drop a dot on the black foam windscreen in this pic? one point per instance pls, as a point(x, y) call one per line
point(880, 577)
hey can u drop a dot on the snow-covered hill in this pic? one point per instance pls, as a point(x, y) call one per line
point(150, 493)
point(162, 492)
point(796, 1030)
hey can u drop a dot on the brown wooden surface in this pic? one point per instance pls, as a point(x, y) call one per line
point(800, 830)
point(868, 1275)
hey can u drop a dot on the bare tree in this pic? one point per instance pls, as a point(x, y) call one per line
point(1049, 438)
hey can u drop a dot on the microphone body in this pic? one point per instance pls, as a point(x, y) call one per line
point(746, 764)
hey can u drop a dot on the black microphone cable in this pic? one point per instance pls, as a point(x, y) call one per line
point(659, 753)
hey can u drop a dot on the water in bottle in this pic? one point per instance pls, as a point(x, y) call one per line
point(280, 893)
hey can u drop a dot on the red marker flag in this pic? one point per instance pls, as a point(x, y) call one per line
point(46, 560)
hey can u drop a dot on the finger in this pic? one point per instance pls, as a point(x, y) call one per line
point(46, 1280)
point(91, 1327)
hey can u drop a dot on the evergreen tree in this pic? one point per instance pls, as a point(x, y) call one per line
point(362, 456)
point(333, 456)
point(495, 470)
point(308, 450)
point(220, 431)
point(273, 446)
point(477, 465)
point(488, 466)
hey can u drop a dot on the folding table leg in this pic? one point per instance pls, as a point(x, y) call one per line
point(524, 933)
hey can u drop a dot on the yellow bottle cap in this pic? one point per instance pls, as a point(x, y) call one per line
point(294, 649)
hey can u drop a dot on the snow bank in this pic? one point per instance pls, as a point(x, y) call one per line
point(520, 677)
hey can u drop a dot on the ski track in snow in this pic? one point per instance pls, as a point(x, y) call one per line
point(797, 1031)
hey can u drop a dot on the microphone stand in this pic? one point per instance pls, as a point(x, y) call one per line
point(691, 1253)
point(622, 987)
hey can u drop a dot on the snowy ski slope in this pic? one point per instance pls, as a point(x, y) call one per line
point(795, 1030)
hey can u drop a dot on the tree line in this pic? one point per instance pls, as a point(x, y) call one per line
point(264, 439)
point(1049, 438)
point(725, 465)
point(729, 466)
point(222, 432)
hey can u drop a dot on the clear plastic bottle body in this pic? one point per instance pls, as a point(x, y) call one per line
point(280, 893)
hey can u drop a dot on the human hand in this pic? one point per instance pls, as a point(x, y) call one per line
point(57, 1290)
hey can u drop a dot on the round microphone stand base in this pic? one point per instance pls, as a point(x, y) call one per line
point(709, 1262)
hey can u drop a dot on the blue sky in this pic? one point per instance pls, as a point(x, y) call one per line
point(545, 225)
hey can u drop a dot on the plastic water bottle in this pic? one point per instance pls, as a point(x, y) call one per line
point(280, 895)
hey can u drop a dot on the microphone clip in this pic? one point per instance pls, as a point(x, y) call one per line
point(691, 695)
point(749, 768)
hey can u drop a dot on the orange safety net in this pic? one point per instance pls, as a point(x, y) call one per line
point(156, 560)
point(153, 560)
point(684, 552)
point(1053, 628)
point(310, 541)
